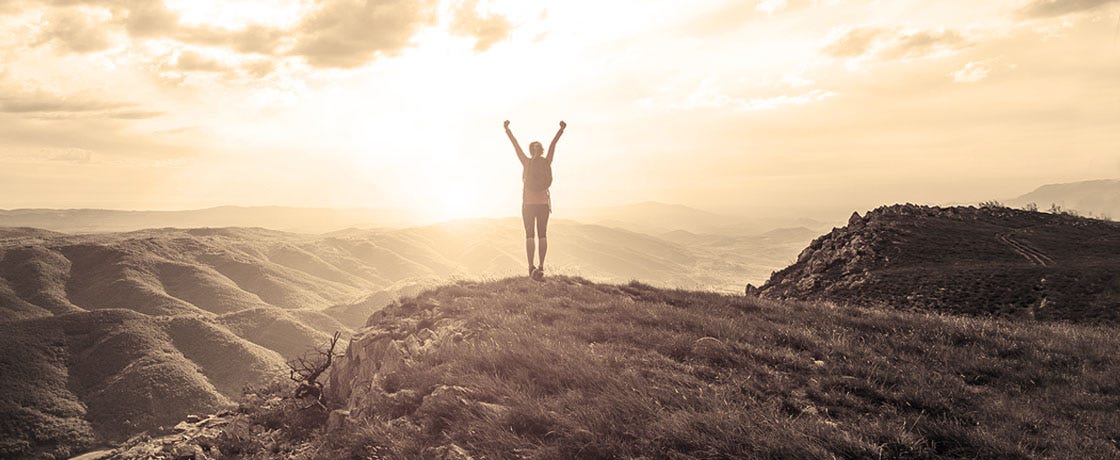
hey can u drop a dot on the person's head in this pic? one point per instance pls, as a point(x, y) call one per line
point(535, 149)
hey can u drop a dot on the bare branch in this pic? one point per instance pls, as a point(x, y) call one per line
point(306, 370)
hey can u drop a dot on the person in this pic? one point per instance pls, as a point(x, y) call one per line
point(536, 201)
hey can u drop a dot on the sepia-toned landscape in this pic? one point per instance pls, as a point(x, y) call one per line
point(258, 229)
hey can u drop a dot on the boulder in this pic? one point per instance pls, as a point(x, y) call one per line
point(709, 348)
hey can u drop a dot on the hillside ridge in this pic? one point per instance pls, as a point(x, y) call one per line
point(988, 261)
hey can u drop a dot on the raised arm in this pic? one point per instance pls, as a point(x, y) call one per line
point(516, 147)
point(552, 146)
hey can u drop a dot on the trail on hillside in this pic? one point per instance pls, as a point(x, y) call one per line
point(1031, 253)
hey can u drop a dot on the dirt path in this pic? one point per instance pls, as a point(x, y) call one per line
point(1031, 253)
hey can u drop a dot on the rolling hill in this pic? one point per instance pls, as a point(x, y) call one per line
point(984, 261)
point(568, 368)
point(83, 378)
point(181, 298)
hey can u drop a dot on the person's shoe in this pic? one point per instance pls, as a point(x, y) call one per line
point(531, 271)
point(538, 274)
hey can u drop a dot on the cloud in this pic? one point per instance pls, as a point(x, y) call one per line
point(23, 101)
point(972, 72)
point(351, 33)
point(67, 155)
point(892, 44)
point(487, 29)
point(39, 101)
point(909, 45)
point(177, 65)
point(193, 61)
point(771, 6)
point(856, 42)
point(332, 34)
point(253, 39)
point(145, 18)
point(1053, 8)
point(707, 95)
point(74, 31)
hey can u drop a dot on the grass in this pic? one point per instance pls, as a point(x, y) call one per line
point(572, 369)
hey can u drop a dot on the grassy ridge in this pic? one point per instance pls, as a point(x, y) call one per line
point(964, 260)
point(572, 369)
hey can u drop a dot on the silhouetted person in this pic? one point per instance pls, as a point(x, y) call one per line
point(536, 202)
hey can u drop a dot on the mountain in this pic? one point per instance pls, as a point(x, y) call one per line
point(986, 261)
point(1097, 197)
point(568, 368)
point(306, 220)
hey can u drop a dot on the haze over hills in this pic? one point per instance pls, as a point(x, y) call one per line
point(987, 261)
point(656, 218)
point(650, 217)
point(1094, 197)
point(303, 220)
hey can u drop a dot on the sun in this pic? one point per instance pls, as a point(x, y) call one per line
point(458, 205)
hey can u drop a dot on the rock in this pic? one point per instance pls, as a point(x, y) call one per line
point(189, 452)
point(444, 401)
point(337, 420)
point(183, 426)
point(396, 404)
point(382, 349)
point(751, 291)
point(855, 220)
point(447, 452)
point(709, 348)
point(95, 455)
point(193, 418)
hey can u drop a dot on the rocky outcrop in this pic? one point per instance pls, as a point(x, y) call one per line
point(988, 260)
point(364, 379)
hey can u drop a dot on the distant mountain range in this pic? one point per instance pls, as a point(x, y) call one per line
point(656, 218)
point(983, 261)
point(1099, 198)
point(651, 218)
point(303, 220)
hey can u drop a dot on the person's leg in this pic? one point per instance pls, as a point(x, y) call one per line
point(527, 219)
point(542, 231)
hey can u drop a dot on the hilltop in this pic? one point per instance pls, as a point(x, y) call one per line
point(575, 369)
point(986, 261)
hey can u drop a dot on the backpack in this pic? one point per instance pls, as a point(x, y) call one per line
point(537, 174)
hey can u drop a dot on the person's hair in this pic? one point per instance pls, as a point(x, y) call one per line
point(536, 149)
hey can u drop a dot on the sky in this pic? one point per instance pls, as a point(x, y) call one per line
point(179, 104)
